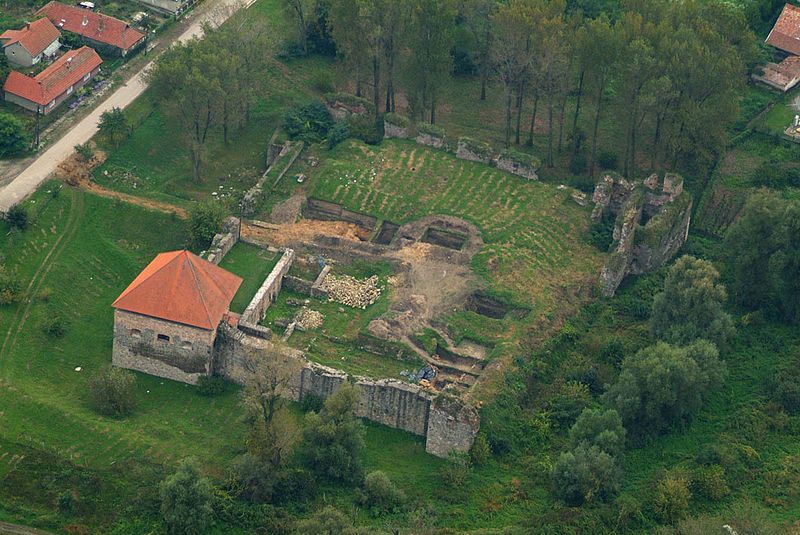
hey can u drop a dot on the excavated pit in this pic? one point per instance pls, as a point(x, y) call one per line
point(444, 238)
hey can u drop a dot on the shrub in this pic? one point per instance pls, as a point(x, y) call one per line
point(709, 481)
point(55, 327)
point(13, 139)
point(431, 130)
point(295, 485)
point(380, 494)
point(17, 217)
point(601, 428)
point(255, 479)
point(10, 287)
point(671, 501)
point(351, 101)
point(45, 294)
point(521, 158)
point(309, 122)
point(480, 452)
point(453, 477)
point(586, 475)
point(66, 503)
point(601, 233)
point(581, 182)
point(479, 148)
point(111, 391)
point(365, 128)
point(311, 403)
point(211, 385)
point(84, 151)
point(186, 500)
point(607, 159)
point(785, 390)
point(569, 403)
point(612, 351)
point(337, 134)
point(205, 220)
point(397, 120)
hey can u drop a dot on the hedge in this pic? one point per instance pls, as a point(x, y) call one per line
point(430, 129)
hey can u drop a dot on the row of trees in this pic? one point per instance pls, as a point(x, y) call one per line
point(669, 71)
point(208, 86)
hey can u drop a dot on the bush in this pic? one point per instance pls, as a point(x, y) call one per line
point(431, 130)
point(612, 351)
point(397, 120)
point(365, 128)
point(784, 389)
point(607, 159)
point(309, 122)
point(10, 287)
point(337, 134)
point(311, 403)
point(186, 500)
point(55, 327)
point(581, 182)
point(255, 479)
point(350, 101)
point(111, 392)
point(17, 217)
point(709, 481)
point(380, 494)
point(601, 428)
point(671, 501)
point(522, 158)
point(84, 151)
point(295, 485)
point(13, 139)
point(66, 503)
point(211, 385)
point(481, 451)
point(601, 233)
point(586, 475)
point(205, 220)
point(45, 295)
point(479, 148)
point(569, 403)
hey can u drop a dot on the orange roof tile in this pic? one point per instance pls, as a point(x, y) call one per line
point(95, 26)
point(35, 37)
point(65, 72)
point(183, 288)
point(785, 35)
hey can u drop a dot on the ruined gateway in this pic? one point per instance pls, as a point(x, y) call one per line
point(651, 223)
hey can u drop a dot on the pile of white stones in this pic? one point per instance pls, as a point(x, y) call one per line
point(307, 319)
point(352, 292)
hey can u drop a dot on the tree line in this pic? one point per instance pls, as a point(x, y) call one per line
point(662, 76)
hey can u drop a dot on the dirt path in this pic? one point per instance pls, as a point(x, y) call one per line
point(214, 12)
point(76, 211)
point(14, 529)
point(149, 204)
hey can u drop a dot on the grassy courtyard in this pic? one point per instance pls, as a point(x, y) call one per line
point(252, 264)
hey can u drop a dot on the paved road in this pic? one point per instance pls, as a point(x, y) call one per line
point(214, 11)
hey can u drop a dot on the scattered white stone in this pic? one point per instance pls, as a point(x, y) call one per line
point(78, 368)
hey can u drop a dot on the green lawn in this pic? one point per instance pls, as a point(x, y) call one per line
point(252, 264)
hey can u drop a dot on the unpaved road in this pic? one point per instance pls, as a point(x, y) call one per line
point(13, 529)
point(214, 12)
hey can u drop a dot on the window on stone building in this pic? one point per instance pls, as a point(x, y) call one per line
point(135, 333)
point(163, 338)
point(186, 345)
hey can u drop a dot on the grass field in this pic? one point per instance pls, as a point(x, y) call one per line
point(252, 264)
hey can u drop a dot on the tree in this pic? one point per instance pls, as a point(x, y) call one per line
point(690, 307)
point(328, 521)
point(432, 25)
point(17, 217)
point(351, 42)
point(13, 138)
point(334, 438)
point(112, 392)
point(662, 385)
point(477, 16)
point(186, 82)
point(601, 428)
point(586, 474)
point(380, 494)
point(205, 220)
point(114, 125)
point(186, 500)
point(301, 12)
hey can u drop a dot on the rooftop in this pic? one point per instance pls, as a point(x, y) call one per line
point(785, 35)
point(35, 37)
point(92, 25)
point(183, 288)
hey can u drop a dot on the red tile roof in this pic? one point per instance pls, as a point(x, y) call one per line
point(183, 288)
point(95, 26)
point(785, 35)
point(65, 72)
point(35, 37)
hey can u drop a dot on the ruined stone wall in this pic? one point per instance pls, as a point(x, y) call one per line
point(268, 291)
point(447, 426)
point(184, 356)
point(474, 151)
point(394, 131)
point(224, 241)
point(429, 140)
point(516, 168)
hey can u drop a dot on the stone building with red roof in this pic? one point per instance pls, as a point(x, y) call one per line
point(785, 35)
point(33, 43)
point(45, 91)
point(165, 322)
point(100, 31)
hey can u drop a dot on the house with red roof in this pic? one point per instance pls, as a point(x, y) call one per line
point(165, 322)
point(30, 45)
point(100, 31)
point(785, 35)
point(45, 91)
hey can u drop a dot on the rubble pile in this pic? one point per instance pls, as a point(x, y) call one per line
point(307, 319)
point(350, 291)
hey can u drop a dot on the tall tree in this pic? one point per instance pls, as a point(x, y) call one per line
point(394, 21)
point(477, 15)
point(431, 40)
point(301, 12)
point(351, 41)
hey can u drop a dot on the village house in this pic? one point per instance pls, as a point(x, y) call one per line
point(165, 322)
point(33, 43)
point(45, 91)
point(109, 35)
point(168, 7)
point(785, 35)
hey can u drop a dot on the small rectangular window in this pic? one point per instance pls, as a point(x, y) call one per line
point(163, 338)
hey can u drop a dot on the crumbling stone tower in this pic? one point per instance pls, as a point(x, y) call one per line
point(651, 225)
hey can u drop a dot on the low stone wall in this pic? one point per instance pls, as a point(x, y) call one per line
point(394, 131)
point(466, 151)
point(224, 241)
point(517, 168)
point(446, 423)
point(265, 295)
point(430, 141)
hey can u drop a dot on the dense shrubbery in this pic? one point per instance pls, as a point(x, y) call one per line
point(205, 220)
point(186, 501)
point(309, 122)
point(10, 286)
point(380, 494)
point(585, 475)
point(13, 139)
point(112, 392)
point(601, 233)
point(431, 130)
point(671, 501)
point(365, 128)
point(338, 133)
point(17, 217)
point(397, 120)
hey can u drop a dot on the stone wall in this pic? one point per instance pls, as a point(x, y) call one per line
point(224, 241)
point(394, 131)
point(430, 140)
point(447, 424)
point(474, 151)
point(268, 291)
point(516, 168)
point(184, 356)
